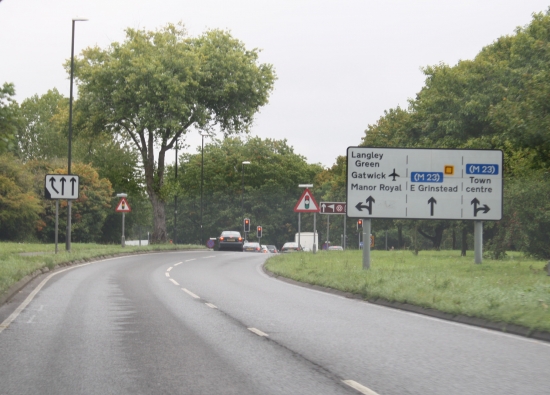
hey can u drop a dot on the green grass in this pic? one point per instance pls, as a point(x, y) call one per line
point(514, 291)
point(15, 263)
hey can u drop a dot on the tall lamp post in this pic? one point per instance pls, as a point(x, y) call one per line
point(69, 202)
point(242, 194)
point(202, 175)
point(176, 200)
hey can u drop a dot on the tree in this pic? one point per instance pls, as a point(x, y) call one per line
point(8, 116)
point(158, 85)
point(20, 207)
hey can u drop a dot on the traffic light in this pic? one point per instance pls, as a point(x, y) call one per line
point(359, 224)
point(259, 232)
point(246, 225)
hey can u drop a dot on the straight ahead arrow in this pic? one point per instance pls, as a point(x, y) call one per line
point(63, 180)
point(431, 202)
point(73, 181)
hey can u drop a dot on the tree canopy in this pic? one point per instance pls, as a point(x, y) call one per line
point(157, 85)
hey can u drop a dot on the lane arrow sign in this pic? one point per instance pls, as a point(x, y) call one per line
point(370, 200)
point(431, 202)
point(484, 208)
point(63, 180)
point(52, 181)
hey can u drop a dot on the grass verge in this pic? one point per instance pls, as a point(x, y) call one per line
point(513, 291)
point(18, 260)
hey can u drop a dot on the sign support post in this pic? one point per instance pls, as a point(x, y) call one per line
point(56, 223)
point(366, 246)
point(478, 241)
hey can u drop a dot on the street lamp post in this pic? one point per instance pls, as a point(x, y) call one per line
point(242, 194)
point(176, 200)
point(69, 202)
point(202, 175)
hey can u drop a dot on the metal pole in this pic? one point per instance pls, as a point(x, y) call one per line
point(345, 220)
point(299, 224)
point(202, 178)
point(175, 202)
point(56, 222)
point(366, 246)
point(68, 237)
point(386, 240)
point(123, 239)
point(478, 241)
point(328, 231)
point(242, 192)
point(314, 233)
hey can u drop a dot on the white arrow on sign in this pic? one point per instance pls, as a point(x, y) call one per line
point(61, 186)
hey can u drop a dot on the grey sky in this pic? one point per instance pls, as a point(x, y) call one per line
point(340, 63)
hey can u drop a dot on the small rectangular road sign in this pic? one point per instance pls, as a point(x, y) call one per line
point(61, 186)
point(424, 183)
point(333, 208)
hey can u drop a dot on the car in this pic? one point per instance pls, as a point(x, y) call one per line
point(335, 248)
point(252, 247)
point(264, 249)
point(290, 247)
point(272, 249)
point(230, 240)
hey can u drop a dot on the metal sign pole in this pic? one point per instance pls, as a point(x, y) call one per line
point(344, 243)
point(478, 241)
point(314, 233)
point(299, 224)
point(328, 233)
point(366, 246)
point(56, 223)
point(123, 239)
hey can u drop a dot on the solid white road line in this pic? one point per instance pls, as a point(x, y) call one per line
point(361, 388)
point(258, 332)
point(174, 281)
point(190, 293)
point(211, 305)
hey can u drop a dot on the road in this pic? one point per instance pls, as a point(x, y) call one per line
point(209, 322)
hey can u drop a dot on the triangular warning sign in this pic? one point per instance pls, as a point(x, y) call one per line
point(306, 203)
point(123, 206)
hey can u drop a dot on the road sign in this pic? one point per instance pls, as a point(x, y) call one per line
point(333, 208)
point(123, 206)
point(306, 203)
point(61, 186)
point(424, 183)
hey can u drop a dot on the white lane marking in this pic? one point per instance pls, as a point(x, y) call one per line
point(189, 260)
point(167, 274)
point(174, 281)
point(190, 293)
point(179, 263)
point(361, 388)
point(31, 296)
point(206, 257)
point(258, 332)
point(170, 268)
point(30, 321)
point(211, 305)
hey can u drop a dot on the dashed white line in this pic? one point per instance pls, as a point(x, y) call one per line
point(174, 281)
point(206, 257)
point(179, 263)
point(167, 274)
point(189, 260)
point(190, 293)
point(258, 332)
point(170, 268)
point(359, 387)
point(211, 305)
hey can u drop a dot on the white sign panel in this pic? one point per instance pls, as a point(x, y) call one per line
point(424, 183)
point(61, 186)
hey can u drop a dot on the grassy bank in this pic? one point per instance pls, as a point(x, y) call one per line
point(515, 290)
point(18, 260)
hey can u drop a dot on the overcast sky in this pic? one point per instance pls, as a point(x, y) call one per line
point(340, 63)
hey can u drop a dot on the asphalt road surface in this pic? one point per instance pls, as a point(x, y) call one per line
point(209, 322)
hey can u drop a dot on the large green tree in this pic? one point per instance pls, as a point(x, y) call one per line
point(157, 85)
point(8, 116)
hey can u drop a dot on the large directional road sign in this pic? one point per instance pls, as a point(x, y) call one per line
point(333, 208)
point(61, 186)
point(424, 183)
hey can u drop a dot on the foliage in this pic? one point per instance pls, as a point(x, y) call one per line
point(20, 207)
point(154, 87)
point(8, 116)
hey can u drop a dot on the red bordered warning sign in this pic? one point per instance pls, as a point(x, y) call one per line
point(306, 203)
point(123, 206)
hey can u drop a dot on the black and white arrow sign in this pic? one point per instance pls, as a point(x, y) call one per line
point(55, 187)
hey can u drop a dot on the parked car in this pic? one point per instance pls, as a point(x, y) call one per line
point(230, 240)
point(290, 247)
point(272, 249)
point(335, 248)
point(252, 247)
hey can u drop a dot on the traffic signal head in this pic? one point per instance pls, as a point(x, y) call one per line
point(359, 224)
point(247, 225)
point(259, 232)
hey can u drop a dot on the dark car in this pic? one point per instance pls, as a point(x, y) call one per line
point(252, 247)
point(272, 249)
point(230, 240)
point(290, 247)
